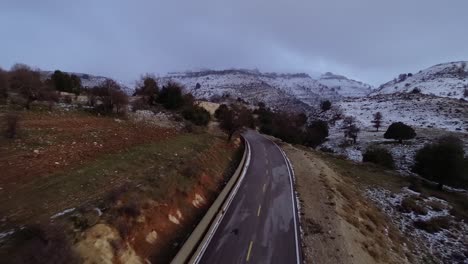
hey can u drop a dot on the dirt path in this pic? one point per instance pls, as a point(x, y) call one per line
point(339, 224)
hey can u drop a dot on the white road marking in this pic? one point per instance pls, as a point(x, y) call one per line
point(288, 164)
point(231, 197)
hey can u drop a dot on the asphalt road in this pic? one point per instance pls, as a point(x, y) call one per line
point(260, 225)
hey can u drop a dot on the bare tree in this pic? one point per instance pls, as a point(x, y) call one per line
point(26, 82)
point(377, 120)
point(350, 128)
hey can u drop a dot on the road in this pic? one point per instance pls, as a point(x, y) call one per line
point(261, 223)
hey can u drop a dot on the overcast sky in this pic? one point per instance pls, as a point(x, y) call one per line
point(368, 40)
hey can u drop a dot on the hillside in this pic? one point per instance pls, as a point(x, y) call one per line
point(445, 80)
point(89, 80)
point(419, 110)
point(288, 91)
point(344, 86)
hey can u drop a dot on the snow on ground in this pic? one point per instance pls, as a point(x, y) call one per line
point(431, 117)
point(447, 245)
point(445, 80)
point(413, 109)
point(344, 86)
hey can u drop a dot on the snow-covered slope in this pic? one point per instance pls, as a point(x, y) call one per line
point(277, 90)
point(233, 84)
point(418, 110)
point(344, 86)
point(446, 80)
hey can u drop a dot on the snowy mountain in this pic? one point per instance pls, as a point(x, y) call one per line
point(344, 86)
point(446, 80)
point(288, 91)
point(245, 84)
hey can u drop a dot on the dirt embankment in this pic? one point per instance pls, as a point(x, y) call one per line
point(339, 225)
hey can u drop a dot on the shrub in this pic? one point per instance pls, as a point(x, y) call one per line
point(325, 105)
point(379, 156)
point(119, 100)
point(64, 82)
point(110, 95)
point(148, 89)
point(316, 133)
point(416, 91)
point(197, 114)
point(399, 131)
point(221, 111)
point(434, 224)
point(46, 244)
point(465, 92)
point(170, 96)
point(409, 205)
point(443, 162)
point(26, 82)
point(11, 121)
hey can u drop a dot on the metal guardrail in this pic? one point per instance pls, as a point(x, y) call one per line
point(194, 245)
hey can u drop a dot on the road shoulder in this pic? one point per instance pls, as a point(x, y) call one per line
point(339, 225)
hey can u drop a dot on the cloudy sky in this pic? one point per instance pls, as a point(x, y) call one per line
point(368, 40)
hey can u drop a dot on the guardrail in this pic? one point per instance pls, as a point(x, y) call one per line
point(198, 239)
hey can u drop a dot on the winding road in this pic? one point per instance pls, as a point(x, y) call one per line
point(260, 224)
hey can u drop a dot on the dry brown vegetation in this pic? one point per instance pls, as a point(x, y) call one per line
point(340, 225)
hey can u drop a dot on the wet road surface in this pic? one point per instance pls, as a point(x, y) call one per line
point(261, 223)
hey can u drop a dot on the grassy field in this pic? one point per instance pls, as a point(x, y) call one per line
point(96, 169)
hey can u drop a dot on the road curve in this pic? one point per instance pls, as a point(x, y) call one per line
point(261, 223)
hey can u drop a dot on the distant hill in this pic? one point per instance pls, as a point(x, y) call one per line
point(445, 80)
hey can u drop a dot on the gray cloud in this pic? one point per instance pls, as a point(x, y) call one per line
point(367, 40)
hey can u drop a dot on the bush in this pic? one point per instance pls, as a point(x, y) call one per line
point(465, 92)
point(26, 82)
point(325, 105)
point(110, 95)
point(11, 121)
point(379, 156)
point(409, 205)
point(46, 244)
point(434, 224)
point(197, 114)
point(221, 111)
point(443, 162)
point(148, 89)
point(416, 91)
point(64, 82)
point(316, 133)
point(400, 132)
point(171, 96)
